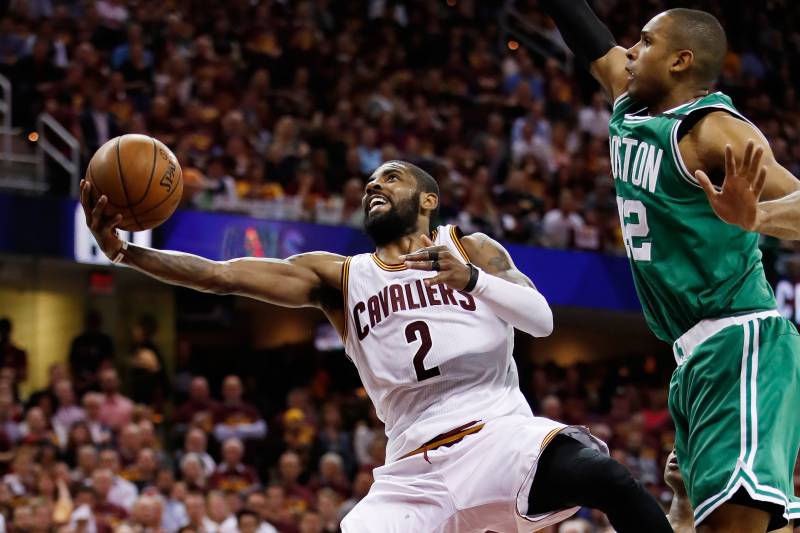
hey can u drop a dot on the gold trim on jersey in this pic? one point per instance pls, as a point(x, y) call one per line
point(549, 437)
point(447, 439)
point(454, 236)
point(399, 266)
point(387, 266)
point(345, 282)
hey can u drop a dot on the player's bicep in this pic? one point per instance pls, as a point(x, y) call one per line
point(719, 129)
point(610, 72)
point(491, 257)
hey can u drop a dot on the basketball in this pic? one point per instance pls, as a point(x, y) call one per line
point(141, 178)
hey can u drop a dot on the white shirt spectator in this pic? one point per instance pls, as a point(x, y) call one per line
point(559, 227)
point(123, 493)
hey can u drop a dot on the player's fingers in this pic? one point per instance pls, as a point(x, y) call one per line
point(97, 212)
point(730, 162)
point(705, 183)
point(758, 186)
point(748, 155)
point(433, 280)
point(419, 265)
point(115, 221)
point(85, 200)
point(755, 163)
point(425, 253)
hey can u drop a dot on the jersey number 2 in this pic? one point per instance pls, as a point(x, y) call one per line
point(631, 228)
point(421, 328)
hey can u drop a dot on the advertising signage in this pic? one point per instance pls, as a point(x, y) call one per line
point(50, 227)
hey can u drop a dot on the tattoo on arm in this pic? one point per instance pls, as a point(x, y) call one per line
point(499, 262)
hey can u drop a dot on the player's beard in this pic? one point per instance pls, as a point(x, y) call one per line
point(400, 220)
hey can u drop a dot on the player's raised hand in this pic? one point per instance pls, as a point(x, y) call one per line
point(450, 270)
point(737, 202)
point(102, 226)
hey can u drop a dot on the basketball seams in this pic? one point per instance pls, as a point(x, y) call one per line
point(152, 173)
point(167, 197)
point(100, 192)
point(124, 189)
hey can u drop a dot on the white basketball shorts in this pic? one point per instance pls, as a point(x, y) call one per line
point(479, 484)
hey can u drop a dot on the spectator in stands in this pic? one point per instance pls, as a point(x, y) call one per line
point(333, 438)
point(560, 224)
point(97, 123)
point(363, 482)
point(86, 462)
point(593, 119)
point(116, 410)
point(219, 517)
point(232, 475)
point(35, 430)
point(129, 443)
point(196, 442)
point(148, 372)
point(12, 356)
point(90, 351)
point(277, 510)
point(331, 475)
point(93, 407)
point(257, 503)
point(68, 412)
point(298, 496)
point(122, 492)
point(192, 472)
point(107, 512)
point(236, 417)
point(200, 409)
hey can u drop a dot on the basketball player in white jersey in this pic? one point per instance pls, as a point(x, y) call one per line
point(428, 321)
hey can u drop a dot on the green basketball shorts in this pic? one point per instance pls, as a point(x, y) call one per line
point(735, 401)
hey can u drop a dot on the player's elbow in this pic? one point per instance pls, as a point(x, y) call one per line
point(545, 325)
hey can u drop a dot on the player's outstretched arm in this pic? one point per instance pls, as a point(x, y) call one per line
point(758, 193)
point(491, 277)
point(298, 281)
point(591, 42)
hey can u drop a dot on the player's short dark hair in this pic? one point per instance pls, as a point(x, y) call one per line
point(700, 32)
point(425, 182)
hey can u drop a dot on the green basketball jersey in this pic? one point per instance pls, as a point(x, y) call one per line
point(687, 264)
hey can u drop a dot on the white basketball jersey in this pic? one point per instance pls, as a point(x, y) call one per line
point(431, 359)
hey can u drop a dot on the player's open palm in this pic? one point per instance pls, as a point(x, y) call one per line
point(737, 202)
point(103, 227)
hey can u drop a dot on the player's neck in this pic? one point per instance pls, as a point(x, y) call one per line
point(390, 253)
point(678, 96)
point(680, 513)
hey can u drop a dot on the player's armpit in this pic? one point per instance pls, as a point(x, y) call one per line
point(491, 257)
point(310, 279)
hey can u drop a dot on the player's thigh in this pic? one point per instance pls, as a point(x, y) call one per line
point(399, 504)
point(734, 518)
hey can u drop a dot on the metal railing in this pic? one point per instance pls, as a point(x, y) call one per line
point(5, 109)
point(46, 124)
point(535, 38)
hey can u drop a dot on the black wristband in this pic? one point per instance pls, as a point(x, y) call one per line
point(588, 38)
point(473, 277)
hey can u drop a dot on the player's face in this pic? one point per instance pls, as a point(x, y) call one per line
point(391, 204)
point(672, 474)
point(649, 62)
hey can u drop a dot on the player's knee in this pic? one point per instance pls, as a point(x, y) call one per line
point(611, 480)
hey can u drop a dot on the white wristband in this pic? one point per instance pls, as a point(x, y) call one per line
point(121, 255)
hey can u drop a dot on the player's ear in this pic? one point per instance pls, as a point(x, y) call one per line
point(428, 201)
point(681, 61)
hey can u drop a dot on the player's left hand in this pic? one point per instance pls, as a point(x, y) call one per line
point(737, 202)
point(431, 257)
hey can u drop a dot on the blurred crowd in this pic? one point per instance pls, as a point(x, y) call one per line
point(281, 109)
point(113, 442)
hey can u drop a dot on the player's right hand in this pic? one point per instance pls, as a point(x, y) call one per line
point(103, 227)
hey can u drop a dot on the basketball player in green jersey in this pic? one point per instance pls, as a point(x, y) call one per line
point(695, 183)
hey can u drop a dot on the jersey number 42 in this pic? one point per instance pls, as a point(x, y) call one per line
point(633, 216)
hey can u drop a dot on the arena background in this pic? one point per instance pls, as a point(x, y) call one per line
point(277, 112)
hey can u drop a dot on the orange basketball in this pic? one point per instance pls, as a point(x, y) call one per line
point(141, 178)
